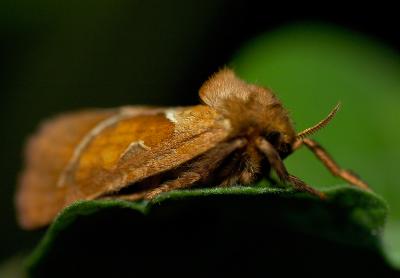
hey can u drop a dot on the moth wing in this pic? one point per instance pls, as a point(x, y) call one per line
point(142, 146)
point(47, 153)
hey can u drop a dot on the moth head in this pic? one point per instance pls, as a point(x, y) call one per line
point(281, 142)
point(252, 110)
point(284, 143)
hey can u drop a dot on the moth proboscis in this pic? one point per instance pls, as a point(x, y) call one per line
point(237, 135)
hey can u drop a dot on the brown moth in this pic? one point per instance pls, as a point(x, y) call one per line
point(239, 133)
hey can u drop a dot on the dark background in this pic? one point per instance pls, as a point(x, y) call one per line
point(64, 55)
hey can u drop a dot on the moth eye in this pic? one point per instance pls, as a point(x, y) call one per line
point(273, 137)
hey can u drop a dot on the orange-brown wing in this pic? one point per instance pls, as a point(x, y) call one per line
point(141, 146)
point(47, 154)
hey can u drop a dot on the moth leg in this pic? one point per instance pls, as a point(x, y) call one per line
point(185, 180)
point(199, 170)
point(331, 165)
point(243, 169)
point(277, 164)
point(241, 173)
point(229, 174)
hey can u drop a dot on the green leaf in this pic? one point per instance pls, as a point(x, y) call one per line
point(239, 230)
point(312, 67)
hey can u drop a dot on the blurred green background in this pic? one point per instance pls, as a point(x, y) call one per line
point(64, 55)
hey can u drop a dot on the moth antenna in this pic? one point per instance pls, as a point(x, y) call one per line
point(318, 126)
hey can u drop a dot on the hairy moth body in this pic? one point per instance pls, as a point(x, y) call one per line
point(236, 136)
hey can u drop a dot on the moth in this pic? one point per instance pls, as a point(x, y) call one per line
point(237, 135)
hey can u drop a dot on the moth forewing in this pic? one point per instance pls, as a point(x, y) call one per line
point(47, 153)
point(131, 148)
